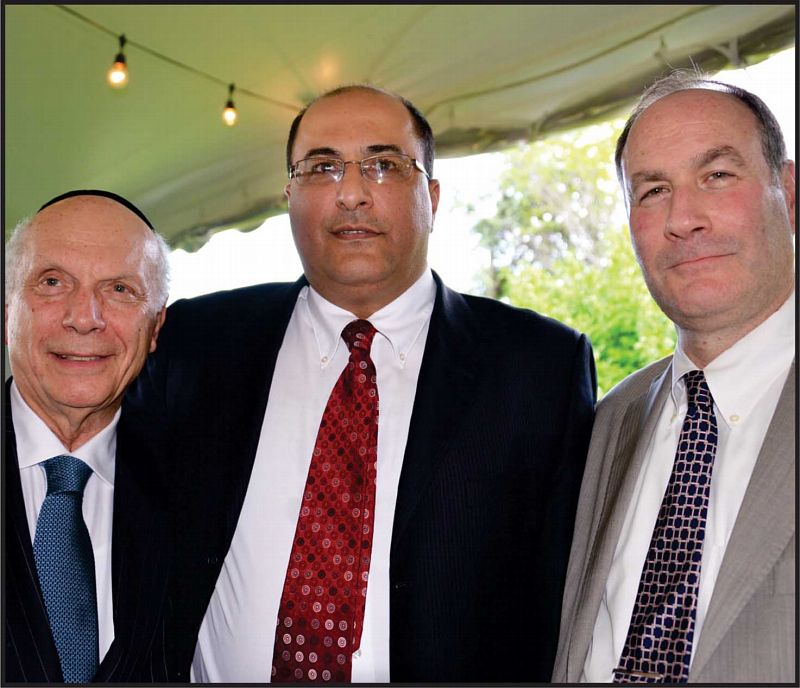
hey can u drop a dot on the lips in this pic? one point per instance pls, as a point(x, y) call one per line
point(697, 259)
point(81, 358)
point(354, 231)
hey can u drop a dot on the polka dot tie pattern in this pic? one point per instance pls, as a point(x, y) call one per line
point(62, 550)
point(322, 607)
point(659, 643)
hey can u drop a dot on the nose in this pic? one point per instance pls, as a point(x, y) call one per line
point(353, 191)
point(687, 213)
point(84, 313)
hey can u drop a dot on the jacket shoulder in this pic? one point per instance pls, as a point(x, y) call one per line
point(515, 322)
point(635, 385)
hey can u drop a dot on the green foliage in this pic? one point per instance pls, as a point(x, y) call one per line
point(558, 245)
point(607, 300)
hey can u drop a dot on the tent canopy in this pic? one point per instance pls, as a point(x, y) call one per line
point(484, 75)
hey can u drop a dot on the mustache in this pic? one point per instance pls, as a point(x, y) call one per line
point(354, 218)
point(686, 252)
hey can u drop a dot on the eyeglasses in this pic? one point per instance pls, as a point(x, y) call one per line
point(386, 168)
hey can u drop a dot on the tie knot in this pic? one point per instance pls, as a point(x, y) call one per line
point(66, 474)
point(358, 334)
point(697, 391)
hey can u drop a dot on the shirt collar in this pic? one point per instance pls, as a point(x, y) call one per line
point(399, 322)
point(37, 443)
point(768, 349)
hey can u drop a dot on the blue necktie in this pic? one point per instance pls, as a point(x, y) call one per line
point(658, 647)
point(65, 563)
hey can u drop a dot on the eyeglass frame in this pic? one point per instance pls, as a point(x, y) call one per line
point(416, 165)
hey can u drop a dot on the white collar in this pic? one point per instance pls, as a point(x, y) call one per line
point(736, 388)
point(37, 443)
point(400, 321)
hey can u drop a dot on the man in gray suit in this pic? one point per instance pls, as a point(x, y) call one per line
point(682, 566)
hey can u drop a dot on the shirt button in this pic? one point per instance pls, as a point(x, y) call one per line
point(324, 359)
point(402, 357)
point(734, 418)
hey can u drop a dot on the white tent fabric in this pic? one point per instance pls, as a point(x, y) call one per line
point(485, 75)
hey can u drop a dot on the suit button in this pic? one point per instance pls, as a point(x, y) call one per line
point(401, 584)
point(212, 560)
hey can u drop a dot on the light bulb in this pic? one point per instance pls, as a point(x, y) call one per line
point(117, 76)
point(229, 114)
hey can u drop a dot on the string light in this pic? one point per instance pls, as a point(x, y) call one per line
point(229, 114)
point(117, 76)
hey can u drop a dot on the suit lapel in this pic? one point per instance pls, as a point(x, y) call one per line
point(28, 636)
point(636, 429)
point(763, 528)
point(139, 564)
point(444, 391)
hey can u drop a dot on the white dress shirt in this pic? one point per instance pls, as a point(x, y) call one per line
point(746, 382)
point(238, 631)
point(35, 444)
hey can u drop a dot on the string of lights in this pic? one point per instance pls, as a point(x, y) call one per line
point(118, 75)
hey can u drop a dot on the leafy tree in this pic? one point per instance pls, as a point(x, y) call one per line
point(558, 245)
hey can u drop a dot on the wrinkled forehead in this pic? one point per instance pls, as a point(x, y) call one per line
point(100, 226)
point(356, 118)
point(711, 107)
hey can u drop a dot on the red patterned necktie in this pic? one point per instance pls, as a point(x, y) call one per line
point(658, 647)
point(322, 607)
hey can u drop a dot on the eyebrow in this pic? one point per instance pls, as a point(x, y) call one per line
point(373, 149)
point(698, 161)
point(713, 154)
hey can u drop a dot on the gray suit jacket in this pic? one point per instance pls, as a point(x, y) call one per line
point(749, 631)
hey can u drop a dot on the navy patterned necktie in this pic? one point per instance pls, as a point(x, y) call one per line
point(65, 564)
point(658, 647)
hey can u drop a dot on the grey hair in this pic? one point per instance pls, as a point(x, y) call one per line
point(156, 252)
point(772, 142)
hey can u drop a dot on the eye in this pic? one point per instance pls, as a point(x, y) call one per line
point(719, 175)
point(387, 164)
point(121, 291)
point(652, 194)
point(323, 166)
point(50, 284)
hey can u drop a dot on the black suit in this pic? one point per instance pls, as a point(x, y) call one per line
point(140, 549)
point(487, 493)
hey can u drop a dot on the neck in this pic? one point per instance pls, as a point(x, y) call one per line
point(75, 427)
point(364, 300)
point(702, 345)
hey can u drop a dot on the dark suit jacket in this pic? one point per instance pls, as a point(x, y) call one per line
point(139, 573)
point(487, 493)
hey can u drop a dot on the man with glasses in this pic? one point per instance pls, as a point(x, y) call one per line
point(317, 545)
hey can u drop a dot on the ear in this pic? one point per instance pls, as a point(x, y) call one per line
point(287, 191)
point(789, 189)
point(162, 315)
point(433, 189)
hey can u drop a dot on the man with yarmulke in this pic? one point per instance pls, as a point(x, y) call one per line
point(85, 529)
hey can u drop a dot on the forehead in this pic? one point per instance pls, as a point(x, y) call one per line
point(692, 119)
point(87, 230)
point(355, 120)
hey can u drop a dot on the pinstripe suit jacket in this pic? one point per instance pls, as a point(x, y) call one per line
point(486, 498)
point(749, 632)
point(140, 549)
